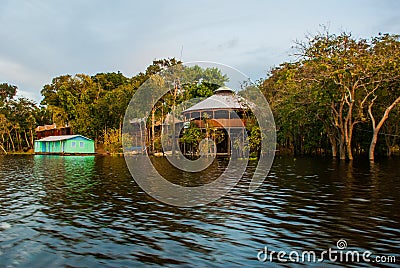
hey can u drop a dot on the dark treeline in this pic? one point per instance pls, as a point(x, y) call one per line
point(18, 119)
point(339, 97)
point(94, 106)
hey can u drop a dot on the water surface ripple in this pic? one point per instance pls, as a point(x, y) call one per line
point(88, 212)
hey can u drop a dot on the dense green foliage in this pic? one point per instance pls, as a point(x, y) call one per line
point(339, 97)
point(18, 120)
point(94, 106)
point(336, 97)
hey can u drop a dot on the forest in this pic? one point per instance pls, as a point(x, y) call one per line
point(338, 97)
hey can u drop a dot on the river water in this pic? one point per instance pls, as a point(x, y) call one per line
point(88, 212)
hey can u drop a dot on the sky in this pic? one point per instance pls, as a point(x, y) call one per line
point(41, 40)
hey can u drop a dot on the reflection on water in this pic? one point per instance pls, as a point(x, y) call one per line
point(88, 212)
point(72, 176)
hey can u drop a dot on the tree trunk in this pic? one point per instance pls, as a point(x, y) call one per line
point(19, 146)
point(332, 140)
point(26, 139)
point(12, 142)
point(342, 148)
point(3, 149)
point(341, 127)
point(391, 139)
point(142, 143)
point(334, 149)
point(32, 138)
point(376, 128)
point(391, 145)
point(153, 112)
point(348, 144)
point(174, 143)
point(348, 131)
point(373, 144)
point(342, 152)
point(390, 152)
point(120, 125)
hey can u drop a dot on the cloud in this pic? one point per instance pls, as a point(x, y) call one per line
point(18, 74)
point(232, 43)
point(45, 39)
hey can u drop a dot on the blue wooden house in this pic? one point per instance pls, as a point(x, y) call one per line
point(65, 144)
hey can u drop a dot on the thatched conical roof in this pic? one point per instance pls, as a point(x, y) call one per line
point(224, 98)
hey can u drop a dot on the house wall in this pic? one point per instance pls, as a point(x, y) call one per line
point(72, 146)
point(222, 123)
point(79, 145)
point(53, 132)
point(48, 147)
point(38, 148)
point(55, 147)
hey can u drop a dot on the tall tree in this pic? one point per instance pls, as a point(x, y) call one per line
point(342, 82)
point(384, 87)
point(7, 92)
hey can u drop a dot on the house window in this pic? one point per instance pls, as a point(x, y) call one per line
point(73, 144)
point(236, 114)
point(221, 114)
point(195, 115)
point(81, 144)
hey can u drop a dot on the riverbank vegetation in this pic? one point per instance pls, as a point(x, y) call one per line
point(339, 96)
point(18, 119)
